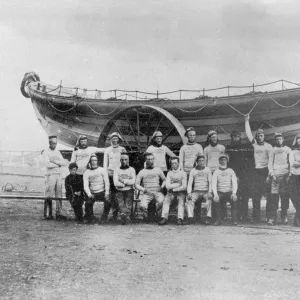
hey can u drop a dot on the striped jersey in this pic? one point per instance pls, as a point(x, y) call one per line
point(150, 179)
point(176, 179)
point(224, 181)
point(128, 175)
point(199, 180)
point(95, 181)
point(159, 154)
point(261, 154)
point(212, 154)
point(294, 158)
point(112, 156)
point(188, 154)
point(279, 160)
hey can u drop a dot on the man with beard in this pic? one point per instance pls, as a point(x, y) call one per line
point(240, 160)
point(74, 191)
point(199, 189)
point(213, 150)
point(53, 182)
point(149, 181)
point(112, 156)
point(124, 179)
point(224, 186)
point(81, 155)
point(279, 170)
point(176, 186)
point(189, 152)
point(261, 157)
point(295, 178)
point(96, 186)
point(159, 151)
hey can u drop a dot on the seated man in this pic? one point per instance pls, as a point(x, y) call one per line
point(124, 179)
point(148, 181)
point(176, 186)
point(96, 186)
point(74, 191)
point(199, 189)
point(224, 186)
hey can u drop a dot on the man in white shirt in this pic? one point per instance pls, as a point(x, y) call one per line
point(53, 182)
point(159, 151)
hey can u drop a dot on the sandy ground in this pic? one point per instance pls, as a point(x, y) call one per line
point(61, 260)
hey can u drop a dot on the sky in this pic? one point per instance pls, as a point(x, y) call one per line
point(140, 45)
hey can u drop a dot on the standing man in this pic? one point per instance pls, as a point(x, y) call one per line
point(199, 189)
point(159, 151)
point(124, 179)
point(96, 186)
point(295, 178)
point(53, 183)
point(112, 156)
point(240, 160)
point(224, 186)
point(151, 180)
point(81, 156)
point(189, 152)
point(279, 170)
point(213, 151)
point(176, 186)
point(261, 157)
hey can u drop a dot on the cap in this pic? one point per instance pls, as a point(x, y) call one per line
point(235, 133)
point(259, 131)
point(117, 134)
point(148, 154)
point(82, 137)
point(224, 155)
point(188, 130)
point(277, 134)
point(200, 156)
point(72, 166)
point(156, 134)
point(52, 137)
point(211, 132)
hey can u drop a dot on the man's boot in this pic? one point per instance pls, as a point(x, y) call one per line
point(216, 209)
point(256, 210)
point(163, 221)
point(234, 213)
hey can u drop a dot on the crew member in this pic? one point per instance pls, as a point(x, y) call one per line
point(199, 189)
point(176, 186)
point(74, 191)
point(159, 151)
point(213, 150)
point(240, 160)
point(124, 179)
point(294, 159)
point(112, 156)
point(96, 186)
point(279, 170)
point(224, 186)
point(151, 180)
point(53, 182)
point(261, 157)
point(189, 152)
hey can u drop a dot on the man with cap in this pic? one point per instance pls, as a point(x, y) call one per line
point(124, 179)
point(74, 191)
point(294, 160)
point(150, 181)
point(262, 151)
point(189, 152)
point(279, 170)
point(213, 150)
point(81, 155)
point(224, 187)
point(96, 186)
point(241, 161)
point(159, 151)
point(176, 186)
point(199, 189)
point(53, 182)
point(111, 161)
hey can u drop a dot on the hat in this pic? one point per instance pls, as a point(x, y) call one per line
point(235, 133)
point(295, 139)
point(224, 155)
point(200, 156)
point(175, 157)
point(259, 131)
point(211, 132)
point(82, 137)
point(72, 166)
point(188, 130)
point(52, 137)
point(156, 134)
point(148, 154)
point(93, 155)
point(277, 134)
point(117, 134)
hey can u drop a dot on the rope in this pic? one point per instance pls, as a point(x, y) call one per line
point(188, 111)
point(283, 106)
point(63, 111)
point(104, 114)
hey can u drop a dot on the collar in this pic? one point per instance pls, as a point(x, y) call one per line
point(188, 143)
point(124, 168)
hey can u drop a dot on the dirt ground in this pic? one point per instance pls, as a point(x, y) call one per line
point(62, 260)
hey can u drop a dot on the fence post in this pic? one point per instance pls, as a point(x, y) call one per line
point(253, 87)
point(203, 92)
point(157, 94)
point(180, 94)
point(228, 90)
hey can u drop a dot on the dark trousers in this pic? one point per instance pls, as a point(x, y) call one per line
point(89, 206)
point(243, 195)
point(261, 187)
point(295, 195)
point(114, 202)
point(217, 207)
point(124, 200)
point(76, 204)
